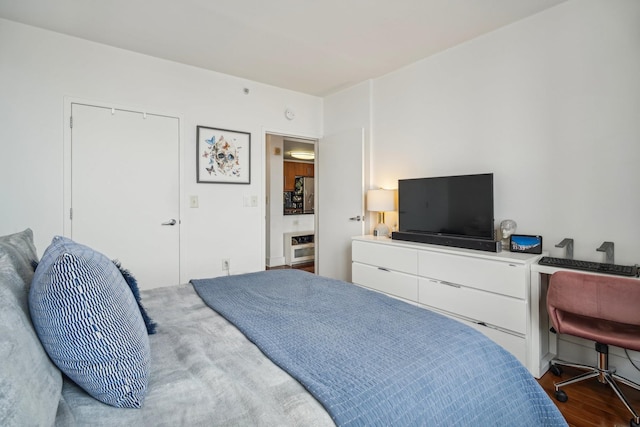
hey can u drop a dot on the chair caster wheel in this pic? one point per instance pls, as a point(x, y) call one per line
point(561, 396)
point(556, 370)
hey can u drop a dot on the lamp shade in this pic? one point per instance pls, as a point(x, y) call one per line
point(381, 200)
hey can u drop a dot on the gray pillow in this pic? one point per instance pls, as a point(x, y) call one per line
point(30, 384)
point(21, 251)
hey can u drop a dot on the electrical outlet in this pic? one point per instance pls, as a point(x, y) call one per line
point(226, 264)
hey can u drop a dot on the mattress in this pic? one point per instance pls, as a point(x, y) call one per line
point(203, 372)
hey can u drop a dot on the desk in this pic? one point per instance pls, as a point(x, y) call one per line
point(545, 343)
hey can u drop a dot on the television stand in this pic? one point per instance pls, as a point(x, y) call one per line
point(491, 292)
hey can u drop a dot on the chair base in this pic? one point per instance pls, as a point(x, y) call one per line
point(604, 375)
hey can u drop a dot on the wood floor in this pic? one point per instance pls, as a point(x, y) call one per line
point(591, 403)
point(307, 266)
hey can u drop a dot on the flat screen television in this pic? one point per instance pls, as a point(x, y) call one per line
point(452, 206)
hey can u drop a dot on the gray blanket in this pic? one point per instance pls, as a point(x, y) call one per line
point(204, 373)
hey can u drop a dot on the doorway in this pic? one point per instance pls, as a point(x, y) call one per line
point(340, 171)
point(290, 202)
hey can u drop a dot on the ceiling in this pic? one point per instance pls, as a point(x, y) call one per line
point(312, 46)
point(297, 144)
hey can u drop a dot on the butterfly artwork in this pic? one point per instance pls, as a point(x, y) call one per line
point(221, 155)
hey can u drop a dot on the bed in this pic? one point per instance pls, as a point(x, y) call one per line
point(273, 348)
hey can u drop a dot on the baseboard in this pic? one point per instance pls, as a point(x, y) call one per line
point(275, 261)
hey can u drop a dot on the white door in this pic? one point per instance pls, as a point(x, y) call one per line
point(340, 201)
point(125, 190)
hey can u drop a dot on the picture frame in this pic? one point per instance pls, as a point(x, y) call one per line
point(525, 243)
point(223, 156)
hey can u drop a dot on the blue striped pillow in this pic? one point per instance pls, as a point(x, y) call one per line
point(89, 323)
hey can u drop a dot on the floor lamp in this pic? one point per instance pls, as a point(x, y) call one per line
point(381, 201)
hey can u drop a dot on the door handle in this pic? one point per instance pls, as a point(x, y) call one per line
point(172, 222)
point(453, 285)
point(356, 218)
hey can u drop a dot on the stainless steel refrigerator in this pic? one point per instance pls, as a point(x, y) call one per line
point(304, 188)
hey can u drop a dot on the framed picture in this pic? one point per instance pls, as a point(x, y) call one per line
point(223, 156)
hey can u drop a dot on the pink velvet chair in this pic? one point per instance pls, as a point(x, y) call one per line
point(604, 309)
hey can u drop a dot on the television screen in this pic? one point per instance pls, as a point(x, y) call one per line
point(459, 206)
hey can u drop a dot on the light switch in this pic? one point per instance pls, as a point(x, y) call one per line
point(254, 201)
point(193, 201)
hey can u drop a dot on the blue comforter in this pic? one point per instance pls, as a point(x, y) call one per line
point(373, 360)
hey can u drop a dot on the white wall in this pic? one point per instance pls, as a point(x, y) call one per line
point(549, 105)
point(38, 69)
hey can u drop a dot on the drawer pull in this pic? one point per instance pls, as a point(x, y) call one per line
point(383, 269)
point(453, 285)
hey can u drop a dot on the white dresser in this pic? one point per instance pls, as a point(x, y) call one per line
point(488, 291)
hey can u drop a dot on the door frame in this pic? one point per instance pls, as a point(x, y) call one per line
point(301, 135)
point(66, 149)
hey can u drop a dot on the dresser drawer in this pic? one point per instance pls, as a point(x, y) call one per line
point(494, 276)
point(390, 282)
point(385, 256)
point(493, 309)
point(513, 344)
